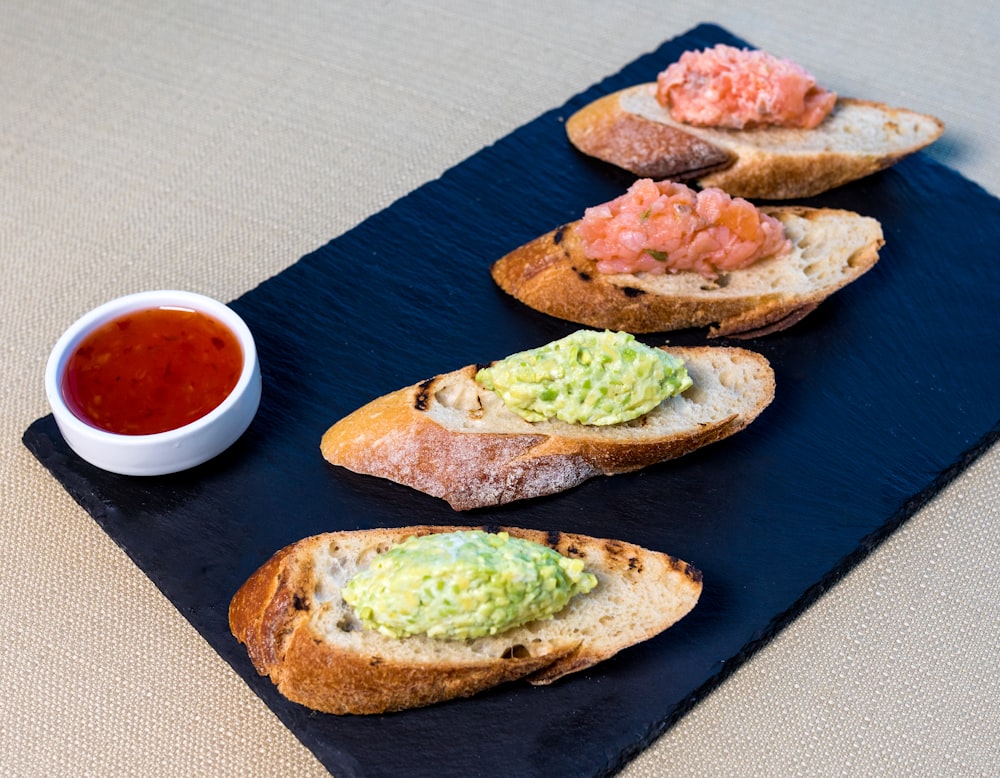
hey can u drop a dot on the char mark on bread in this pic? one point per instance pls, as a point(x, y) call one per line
point(421, 398)
point(690, 571)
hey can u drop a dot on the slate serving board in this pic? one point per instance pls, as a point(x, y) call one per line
point(884, 394)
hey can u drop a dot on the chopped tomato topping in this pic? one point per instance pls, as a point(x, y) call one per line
point(665, 227)
point(739, 88)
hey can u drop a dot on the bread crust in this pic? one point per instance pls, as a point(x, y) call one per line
point(631, 130)
point(283, 611)
point(644, 147)
point(473, 452)
point(552, 274)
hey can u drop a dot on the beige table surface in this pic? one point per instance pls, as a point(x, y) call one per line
point(209, 145)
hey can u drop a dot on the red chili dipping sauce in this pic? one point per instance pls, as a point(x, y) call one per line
point(152, 370)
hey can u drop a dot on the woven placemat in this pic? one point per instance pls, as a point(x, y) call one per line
point(205, 147)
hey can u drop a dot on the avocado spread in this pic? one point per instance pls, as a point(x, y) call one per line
point(466, 584)
point(587, 377)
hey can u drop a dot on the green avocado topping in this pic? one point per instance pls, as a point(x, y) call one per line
point(587, 377)
point(466, 584)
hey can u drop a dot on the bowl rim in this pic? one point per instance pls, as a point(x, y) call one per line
point(56, 363)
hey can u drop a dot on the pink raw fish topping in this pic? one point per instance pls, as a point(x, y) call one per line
point(664, 227)
point(739, 88)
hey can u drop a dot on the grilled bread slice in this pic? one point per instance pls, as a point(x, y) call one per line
point(632, 130)
point(452, 438)
point(298, 630)
point(830, 249)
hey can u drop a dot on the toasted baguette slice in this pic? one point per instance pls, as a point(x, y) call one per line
point(298, 630)
point(452, 438)
point(632, 130)
point(831, 248)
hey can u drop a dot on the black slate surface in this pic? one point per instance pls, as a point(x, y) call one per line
point(884, 394)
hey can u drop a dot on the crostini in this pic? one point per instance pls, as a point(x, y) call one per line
point(298, 629)
point(466, 439)
point(748, 123)
point(663, 257)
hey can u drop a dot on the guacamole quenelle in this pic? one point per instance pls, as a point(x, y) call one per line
point(466, 584)
point(587, 377)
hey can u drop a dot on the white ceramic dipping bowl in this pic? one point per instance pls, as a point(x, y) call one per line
point(162, 452)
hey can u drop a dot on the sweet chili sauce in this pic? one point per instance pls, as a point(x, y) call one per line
point(152, 370)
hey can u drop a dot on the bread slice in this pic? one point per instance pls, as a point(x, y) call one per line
point(298, 630)
point(454, 439)
point(831, 248)
point(630, 129)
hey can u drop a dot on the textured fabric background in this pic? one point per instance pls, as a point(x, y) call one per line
point(208, 145)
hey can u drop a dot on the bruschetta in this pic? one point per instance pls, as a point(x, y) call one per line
point(456, 437)
point(743, 136)
point(292, 616)
point(663, 257)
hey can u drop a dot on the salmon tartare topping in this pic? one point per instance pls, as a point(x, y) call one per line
point(740, 88)
point(665, 227)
